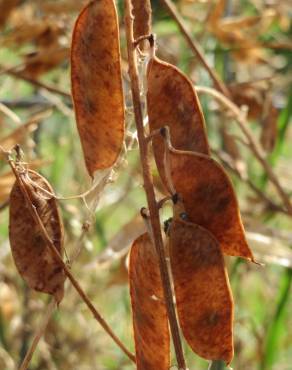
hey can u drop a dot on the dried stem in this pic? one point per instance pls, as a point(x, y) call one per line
point(149, 188)
point(55, 253)
point(253, 145)
point(38, 335)
point(49, 311)
point(219, 84)
point(9, 113)
point(37, 83)
point(226, 160)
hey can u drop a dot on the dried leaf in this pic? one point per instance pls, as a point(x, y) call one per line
point(202, 290)
point(5, 9)
point(44, 60)
point(149, 311)
point(61, 7)
point(249, 95)
point(97, 84)
point(19, 135)
point(231, 148)
point(172, 101)
point(269, 128)
point(32, 256)
point(209, 199)
point(40, 31)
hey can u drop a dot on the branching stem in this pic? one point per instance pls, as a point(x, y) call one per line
point(149, 188)
point(219, 84)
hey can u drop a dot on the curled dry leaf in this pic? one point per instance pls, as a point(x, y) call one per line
point(203, 295)
point(172, 101)
point(97, 84)
point(209, 199)
point(32, 256)
point(150, 322)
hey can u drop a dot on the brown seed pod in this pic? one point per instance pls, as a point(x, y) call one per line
point(172, 101)
point(203, 295)
point(150, 322)
point(209, 199)
point(97, 84)
point(32, 256)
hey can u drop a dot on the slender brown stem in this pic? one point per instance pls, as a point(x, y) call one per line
point(54, 251)
point(38, 83)
point(219, 84)
point(49, 311)
point(268, 202)
point(26, 361)
point(252, 143)
point(149, 188)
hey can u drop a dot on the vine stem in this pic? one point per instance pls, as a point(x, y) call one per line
point(33, 211)
point(219, 84)
point(149, 188)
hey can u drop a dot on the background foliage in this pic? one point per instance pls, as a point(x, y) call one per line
point(248, 45)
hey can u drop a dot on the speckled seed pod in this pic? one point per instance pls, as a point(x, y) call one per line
point(97, 84)
point(150, 321)
point(32, 256)
point(209, 199)
point(172, 101)
point(203, 295)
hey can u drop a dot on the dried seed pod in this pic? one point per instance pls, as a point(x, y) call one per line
point(97, 84)
point(150, 322)
point(209, 199)
point(172, 101)
point(32, 256)
point(203, 295)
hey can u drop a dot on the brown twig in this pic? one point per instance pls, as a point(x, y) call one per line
point(253, 145)
point(219, 84)
point(49, 311)
point(149, 188)
point(38, 335)
point(55, 253)
point(38, 83)
point(268, 202)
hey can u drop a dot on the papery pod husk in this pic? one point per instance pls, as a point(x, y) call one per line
point(203, 295)
point(172, 101)
point(209, 199)
point(32, 257)
point(151, 332)
point(97, 84)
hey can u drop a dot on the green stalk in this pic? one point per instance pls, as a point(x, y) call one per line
point(277, 322)
point(217, 365)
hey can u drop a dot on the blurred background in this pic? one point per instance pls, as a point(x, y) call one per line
point(248, 43)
